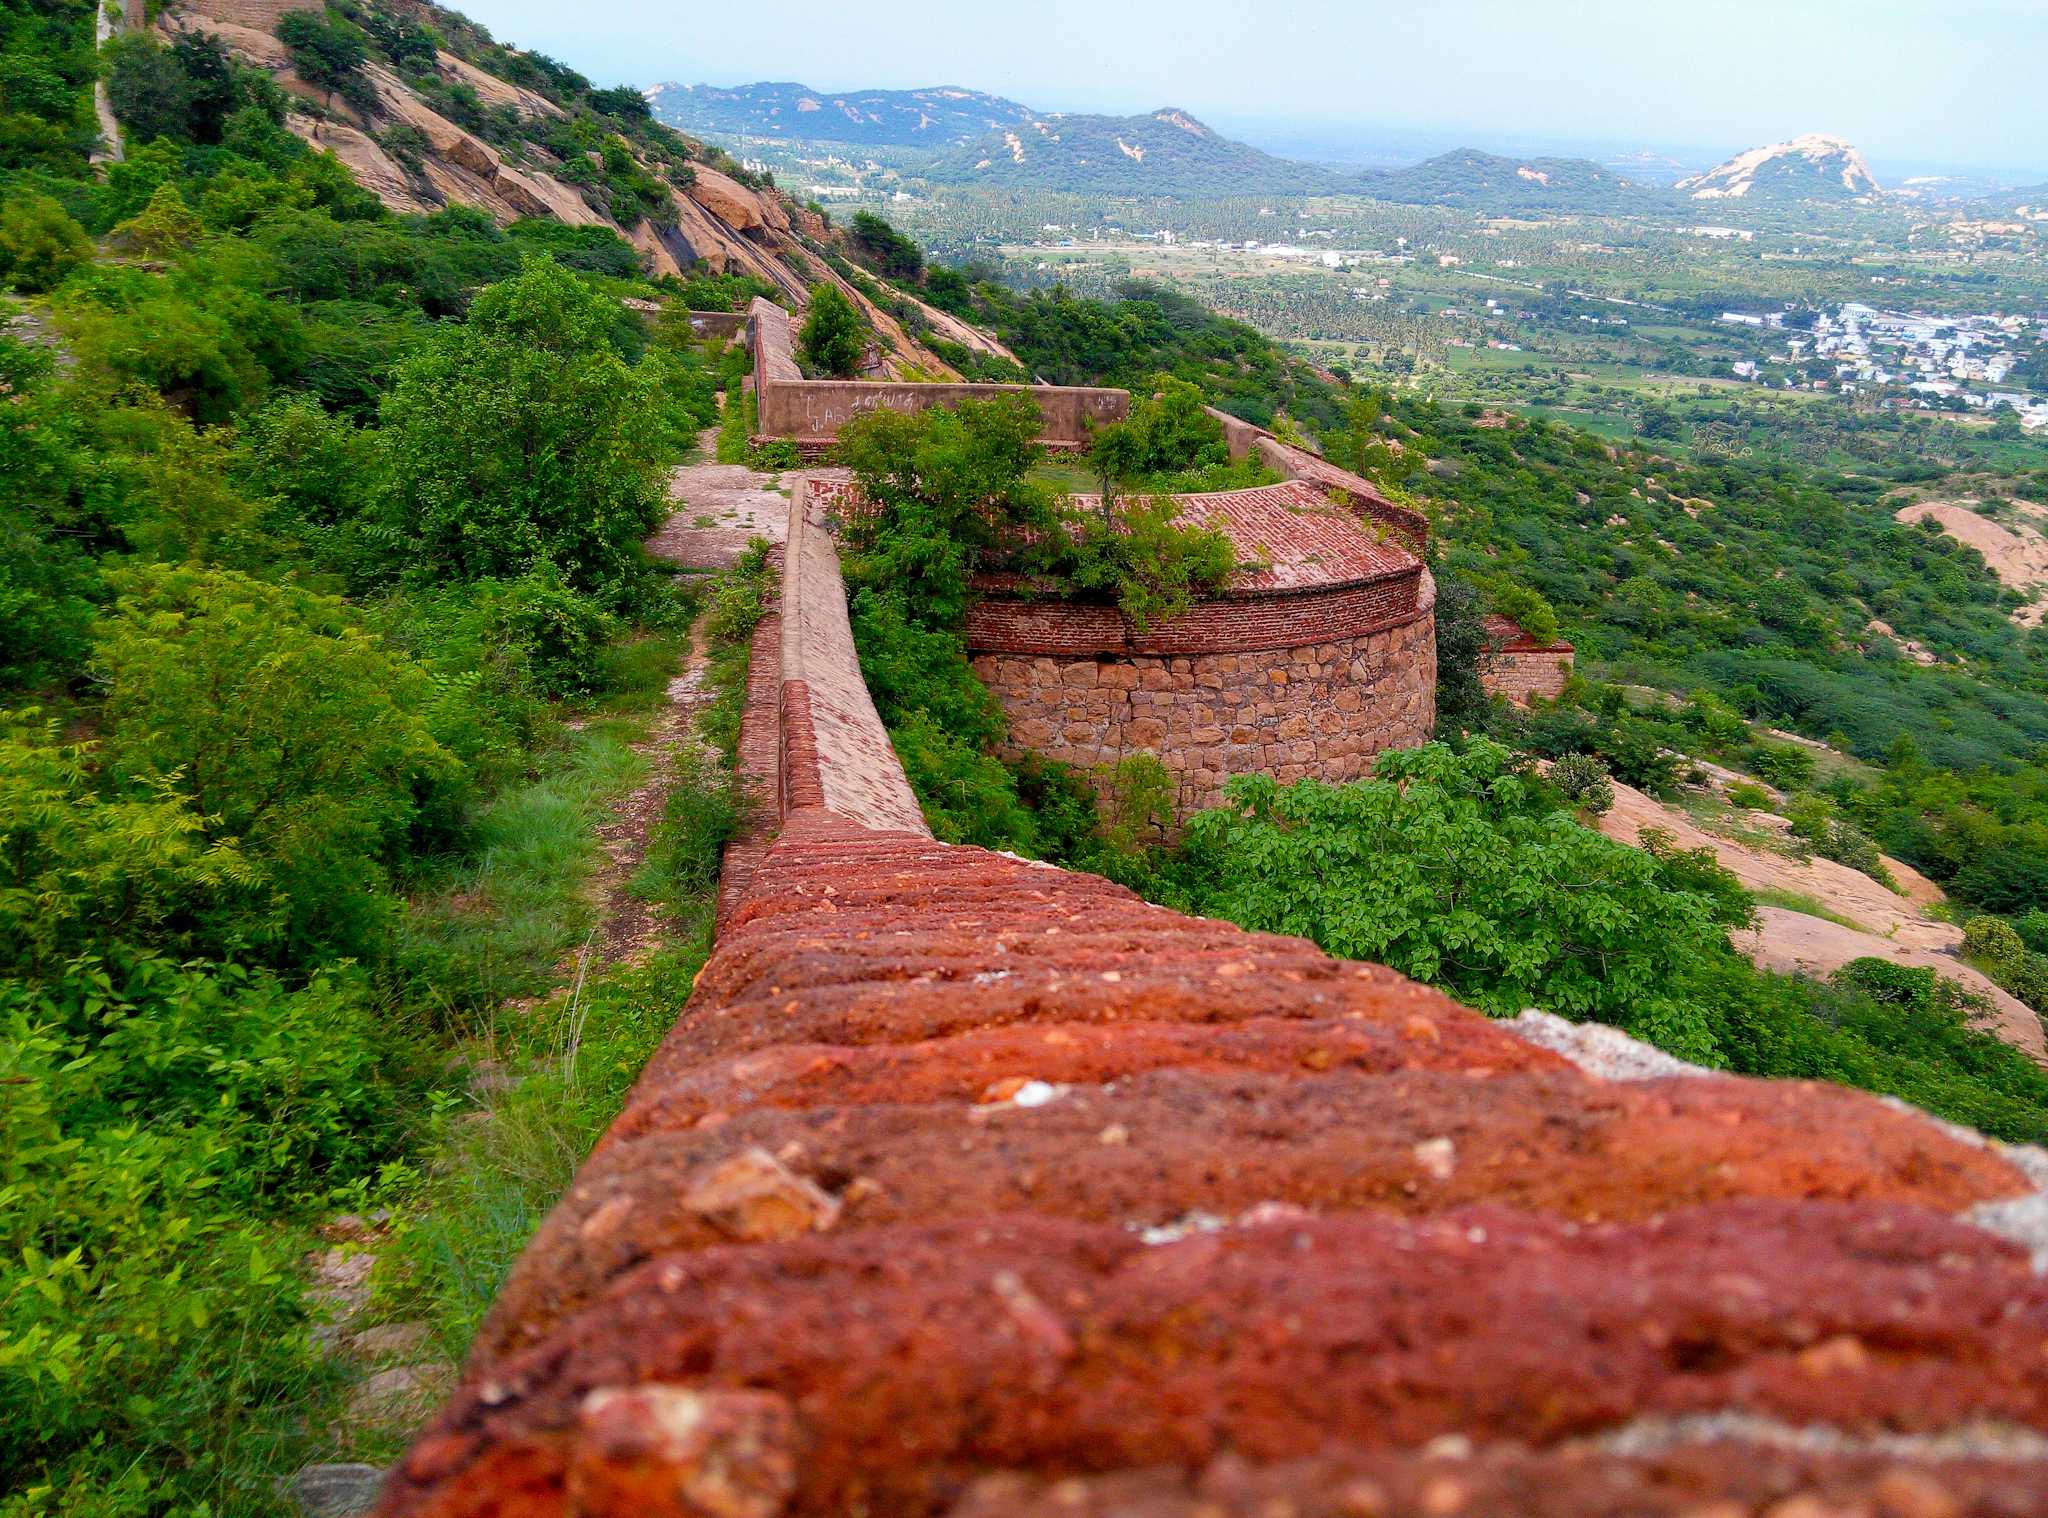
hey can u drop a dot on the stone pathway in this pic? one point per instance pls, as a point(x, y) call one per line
point(720, 508)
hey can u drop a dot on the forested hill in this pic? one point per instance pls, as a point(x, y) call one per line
point(1167, 152)
point(940, 117)
point(1487, 181)
point(426, 110)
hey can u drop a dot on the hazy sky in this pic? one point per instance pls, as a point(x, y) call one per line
point(1910, 81)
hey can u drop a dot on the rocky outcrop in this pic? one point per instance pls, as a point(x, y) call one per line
point(373, 168)
point(740, 208)
point(721, 225)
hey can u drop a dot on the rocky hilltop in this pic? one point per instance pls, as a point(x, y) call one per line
point(1812, 167)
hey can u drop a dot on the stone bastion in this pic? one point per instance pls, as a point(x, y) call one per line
point(1316, 656)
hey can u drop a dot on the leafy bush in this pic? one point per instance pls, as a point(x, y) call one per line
point(1527, 609)
point(1583, 780)
point(290, 733)
point(39, 242)
point(1785, 765)
point(884, 249)
point(593, 249)
point(328, 54)
point(1995, 947)
point(1167, 434)
point(833, 336)
point(724, 292)
point(559, 631)
point(1834, 837)
point(1754, 797)
point(746, 594)
point(1139, 553)
point(1452, 868)
point(159, 1117)
point(163, 226)
point(1462, 650)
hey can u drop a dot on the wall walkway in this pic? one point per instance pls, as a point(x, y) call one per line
point(968, 1186)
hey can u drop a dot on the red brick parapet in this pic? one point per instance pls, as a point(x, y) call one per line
point(962, 1175)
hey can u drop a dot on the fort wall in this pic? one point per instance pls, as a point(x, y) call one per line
point(968, 1186)
point(1315, 710)
point(811, 412)
point(1520, 668)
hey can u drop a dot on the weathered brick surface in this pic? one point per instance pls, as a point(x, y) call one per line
point(964, 1185)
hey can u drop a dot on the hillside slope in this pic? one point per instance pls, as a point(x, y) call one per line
point(437, 114)
point(1167, 152)
point(471, 123)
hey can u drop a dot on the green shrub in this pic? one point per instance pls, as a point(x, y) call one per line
point(292, 735)
point(39, 243)
point(738, 417)
point(1452, 868)
point(560, 632)
point(521, 438)
point(1139, 554)
point(328, 54)
point(833, 336)
point(746, 594)
point(1785, 765)
point(1745, 794)
point(1583, 780)
point(161, 1118)
point(1528, 610)
point(884, 249)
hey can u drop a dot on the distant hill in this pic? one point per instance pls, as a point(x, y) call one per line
point(1471, 179)
point(1167, 152)
point(940, 117)
point(1813, 167)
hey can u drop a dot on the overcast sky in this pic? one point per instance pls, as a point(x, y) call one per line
point(1910, 81)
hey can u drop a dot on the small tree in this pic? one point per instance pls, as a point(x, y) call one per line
point(327, 55)
point(162, 226)
point(149, 88)
point(39, 242)
point(522, 438)
point(833, 336)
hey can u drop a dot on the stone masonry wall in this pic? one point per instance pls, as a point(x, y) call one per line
point(1521, 675)
point(1324, 709)
point(1518, 667)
